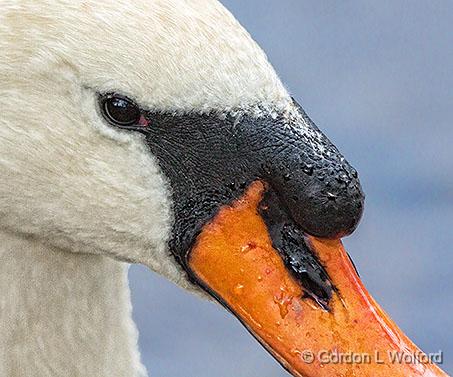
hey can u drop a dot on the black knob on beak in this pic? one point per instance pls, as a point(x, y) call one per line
point(210, 161)
point(325, 199)
point(321, 190)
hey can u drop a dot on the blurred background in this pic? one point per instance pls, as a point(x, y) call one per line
point(377, 78)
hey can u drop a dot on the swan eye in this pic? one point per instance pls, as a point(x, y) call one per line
point(119, 110)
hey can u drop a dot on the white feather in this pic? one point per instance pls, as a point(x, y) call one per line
point(70, 182)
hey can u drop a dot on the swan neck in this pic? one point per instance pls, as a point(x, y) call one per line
point(64, 314)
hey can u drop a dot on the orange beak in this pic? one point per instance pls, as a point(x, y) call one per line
point(235, 261)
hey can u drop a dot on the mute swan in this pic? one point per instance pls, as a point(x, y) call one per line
point(156, 132)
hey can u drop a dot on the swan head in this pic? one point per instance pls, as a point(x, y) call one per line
point(157, 132)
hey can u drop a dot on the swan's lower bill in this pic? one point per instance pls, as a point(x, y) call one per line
point(319, 323)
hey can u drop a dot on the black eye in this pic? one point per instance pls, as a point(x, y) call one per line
point(119, 110)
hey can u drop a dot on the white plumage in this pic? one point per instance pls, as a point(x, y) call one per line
point(74, 192)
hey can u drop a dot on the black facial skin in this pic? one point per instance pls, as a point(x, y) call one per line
point(211, 160)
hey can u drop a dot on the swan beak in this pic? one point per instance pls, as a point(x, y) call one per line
point(330, 327)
